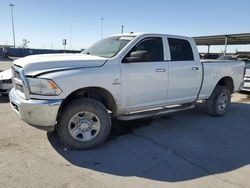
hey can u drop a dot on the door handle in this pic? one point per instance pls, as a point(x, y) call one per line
point(160, 70)
point(195, 68)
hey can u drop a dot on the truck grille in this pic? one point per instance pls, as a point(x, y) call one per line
point(247, 78)
point(19, 82)
point(19, 88)
point(17, 74)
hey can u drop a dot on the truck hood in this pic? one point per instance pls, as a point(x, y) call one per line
point(38, 64)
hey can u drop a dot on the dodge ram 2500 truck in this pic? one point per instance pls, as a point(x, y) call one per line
point(126, 77)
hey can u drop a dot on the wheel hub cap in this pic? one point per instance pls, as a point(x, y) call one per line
point(84, 126)
point(222, 101)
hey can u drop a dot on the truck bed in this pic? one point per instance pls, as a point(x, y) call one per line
point(214, 70)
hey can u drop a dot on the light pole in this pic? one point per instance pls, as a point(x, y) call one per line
point(13, 29)
point(64, 42)
point(102, 19)
point(122, 29)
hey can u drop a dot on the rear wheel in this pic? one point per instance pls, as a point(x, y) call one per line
point(84, 124)
point(219, 102)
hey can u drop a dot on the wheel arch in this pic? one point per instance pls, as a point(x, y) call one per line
point(227, 82)
point(98, 93)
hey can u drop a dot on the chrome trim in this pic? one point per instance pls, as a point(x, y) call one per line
point(195, 68)
point(41, 113)
point(22, 82)
point(153, 113)
point(160, 70)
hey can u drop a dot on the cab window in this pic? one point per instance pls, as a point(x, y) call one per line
point(180, 50)
point(147, 50)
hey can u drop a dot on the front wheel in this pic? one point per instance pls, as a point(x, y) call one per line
point(219, 102)
point(84, 124)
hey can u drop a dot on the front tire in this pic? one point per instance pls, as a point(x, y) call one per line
point(84, 124)
point(219, 102)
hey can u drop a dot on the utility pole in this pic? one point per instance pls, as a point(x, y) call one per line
point(64, 42)
point(225, 51)
point(102, 19)
point(13, 29)
point(122, 29)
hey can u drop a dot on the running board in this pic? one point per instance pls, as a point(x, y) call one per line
point(153, 113)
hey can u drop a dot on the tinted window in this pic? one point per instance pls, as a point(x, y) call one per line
point(153, 47)
point(180, 50)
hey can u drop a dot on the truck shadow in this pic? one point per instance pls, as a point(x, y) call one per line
point(174, 148)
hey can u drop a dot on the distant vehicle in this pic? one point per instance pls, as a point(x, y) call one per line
point(129, 76)
point(210, 56)
point(246, 59)
point(227, 57)
point(246, 85)
point(5, 82)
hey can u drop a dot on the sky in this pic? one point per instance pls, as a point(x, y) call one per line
point(46, 22)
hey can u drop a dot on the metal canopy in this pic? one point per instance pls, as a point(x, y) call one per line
point(230, 39)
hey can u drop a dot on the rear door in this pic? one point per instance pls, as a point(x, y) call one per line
point(144, 82)
point(185, 72)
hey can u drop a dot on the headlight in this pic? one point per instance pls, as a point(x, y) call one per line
point(41, 86)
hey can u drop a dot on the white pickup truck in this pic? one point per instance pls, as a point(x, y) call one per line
point(126, 77)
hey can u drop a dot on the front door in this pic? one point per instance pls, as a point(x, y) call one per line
point(144, 75)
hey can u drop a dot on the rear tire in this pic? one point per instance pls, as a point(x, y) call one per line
point(219, 102)
point(84, 124)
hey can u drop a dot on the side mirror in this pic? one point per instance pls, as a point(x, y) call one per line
point(138, 56)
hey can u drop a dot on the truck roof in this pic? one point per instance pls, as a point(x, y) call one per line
point(143, 34)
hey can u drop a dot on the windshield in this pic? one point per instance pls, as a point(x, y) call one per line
point(108, 47)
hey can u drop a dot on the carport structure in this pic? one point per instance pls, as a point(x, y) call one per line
point(229, 39)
